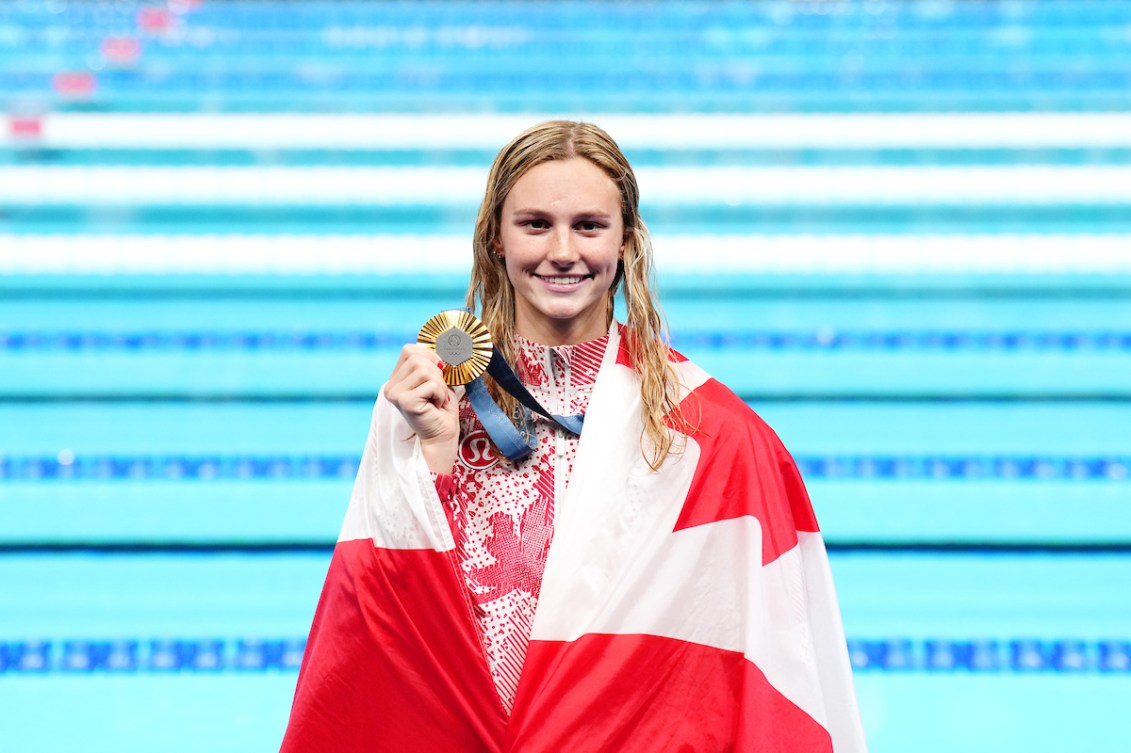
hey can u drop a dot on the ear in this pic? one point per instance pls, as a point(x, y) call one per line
point(497, 248)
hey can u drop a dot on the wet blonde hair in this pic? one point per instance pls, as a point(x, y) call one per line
point(492, 295)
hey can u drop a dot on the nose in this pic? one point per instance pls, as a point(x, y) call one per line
point(562, 249)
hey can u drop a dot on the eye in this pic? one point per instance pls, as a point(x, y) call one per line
point(535, 224)
point(589, 226)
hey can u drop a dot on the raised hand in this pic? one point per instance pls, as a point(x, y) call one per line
point(431, 408)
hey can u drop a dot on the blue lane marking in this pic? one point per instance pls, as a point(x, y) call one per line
point(1020, 655)
point(951, 340)
point(174, 467)
point(68, 466)
point(132, 341)
point(177, 655)
point(1023, 655)
point(951, 467)
point(897, 340)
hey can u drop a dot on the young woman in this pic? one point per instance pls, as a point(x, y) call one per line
point(657, 583)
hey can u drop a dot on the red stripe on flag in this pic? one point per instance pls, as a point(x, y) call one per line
point(393, 662)
point(743, 470)
point(642, 694)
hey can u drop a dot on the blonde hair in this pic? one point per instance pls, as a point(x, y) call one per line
point(644, 337)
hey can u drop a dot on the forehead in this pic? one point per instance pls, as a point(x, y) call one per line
point(565, 183)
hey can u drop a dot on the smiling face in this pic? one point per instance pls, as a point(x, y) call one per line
point(561, 235)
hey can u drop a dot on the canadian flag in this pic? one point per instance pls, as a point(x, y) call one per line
point(689, 609)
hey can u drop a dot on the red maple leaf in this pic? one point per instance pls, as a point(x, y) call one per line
point(520, 555)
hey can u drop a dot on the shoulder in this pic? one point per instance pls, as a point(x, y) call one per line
point(703, 400)
point(742, 467)
point(707, 405)
point(707, 402)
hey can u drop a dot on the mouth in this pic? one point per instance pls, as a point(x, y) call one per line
point(564, 280)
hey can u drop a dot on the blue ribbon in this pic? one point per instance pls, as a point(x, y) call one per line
point(514, 443)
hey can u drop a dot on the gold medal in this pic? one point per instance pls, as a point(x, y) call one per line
point(461, 341)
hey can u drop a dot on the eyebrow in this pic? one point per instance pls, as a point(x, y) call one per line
point(542, 212)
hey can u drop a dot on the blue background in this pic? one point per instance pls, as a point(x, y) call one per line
point(177, 448)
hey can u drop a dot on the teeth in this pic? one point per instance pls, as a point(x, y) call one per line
point(564, 280)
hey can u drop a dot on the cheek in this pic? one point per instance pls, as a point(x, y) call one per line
point(513, 262)
point(610, 255)
point(522, 251)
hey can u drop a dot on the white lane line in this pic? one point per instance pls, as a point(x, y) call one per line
point(463, 186)
point(684, 255)
point(479, 131)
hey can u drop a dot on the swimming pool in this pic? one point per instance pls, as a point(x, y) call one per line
point(931, 308)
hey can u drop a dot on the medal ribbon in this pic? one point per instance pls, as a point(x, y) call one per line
point(466, 352)
point(514, 444)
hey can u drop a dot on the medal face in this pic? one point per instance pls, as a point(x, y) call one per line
point(461, 341)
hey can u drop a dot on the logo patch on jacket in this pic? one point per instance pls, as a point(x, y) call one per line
point(476, 452)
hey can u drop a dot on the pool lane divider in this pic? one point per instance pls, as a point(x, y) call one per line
point(774, 340)
point(68, 466)
point(324, 548)
point(254, 655)
point(752, 399)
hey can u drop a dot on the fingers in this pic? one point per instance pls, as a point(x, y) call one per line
point(417, 359)
point(415, 351)
point(417, 388)
point(417, 393)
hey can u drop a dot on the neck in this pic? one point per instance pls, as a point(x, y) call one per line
point(570, 334)
point(544, 330)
